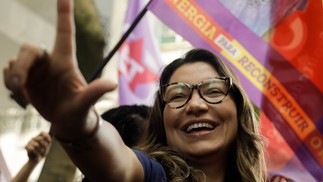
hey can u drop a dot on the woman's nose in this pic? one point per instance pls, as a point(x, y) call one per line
point(196, 104)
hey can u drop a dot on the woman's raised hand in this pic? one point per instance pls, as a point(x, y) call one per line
point(51, 81)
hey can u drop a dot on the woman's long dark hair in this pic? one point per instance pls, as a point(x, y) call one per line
point(246, 160)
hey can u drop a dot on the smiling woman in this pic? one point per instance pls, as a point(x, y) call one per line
point(202, 113)
point(220, 114)
point(202, 126)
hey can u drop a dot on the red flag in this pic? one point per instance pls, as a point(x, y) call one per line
point(299, 38)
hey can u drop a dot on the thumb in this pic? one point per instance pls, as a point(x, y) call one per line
point(96, 89)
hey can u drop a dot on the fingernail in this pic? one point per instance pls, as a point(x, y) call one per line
point(15, 81)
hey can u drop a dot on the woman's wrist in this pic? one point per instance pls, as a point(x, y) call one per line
point(81, 141)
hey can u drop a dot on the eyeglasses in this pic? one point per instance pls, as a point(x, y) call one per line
point(212, 90)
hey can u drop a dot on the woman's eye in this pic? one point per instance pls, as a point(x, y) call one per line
point(214, 92)
point(176, 97)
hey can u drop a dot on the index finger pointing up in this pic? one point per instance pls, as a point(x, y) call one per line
point(65, 39)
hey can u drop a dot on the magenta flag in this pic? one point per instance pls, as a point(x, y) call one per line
point(139, 60)
point(280, 72)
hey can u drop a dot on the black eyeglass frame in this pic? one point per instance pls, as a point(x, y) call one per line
point(196, 86)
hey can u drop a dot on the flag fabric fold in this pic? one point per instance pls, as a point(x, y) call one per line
point(139, 60)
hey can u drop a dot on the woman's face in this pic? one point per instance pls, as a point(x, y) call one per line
point(215, 125)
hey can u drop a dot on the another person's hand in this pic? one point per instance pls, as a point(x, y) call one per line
point(37, 148)
point(52, 82)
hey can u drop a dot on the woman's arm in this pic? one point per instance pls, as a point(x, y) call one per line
point(105, 157)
